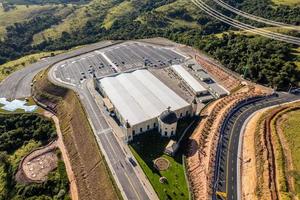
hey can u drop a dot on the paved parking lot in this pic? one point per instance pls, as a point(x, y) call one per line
point(114, 59)
point(135, 55)
point(78, 69)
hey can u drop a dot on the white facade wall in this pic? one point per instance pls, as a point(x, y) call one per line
point(167, 130)
point(143, 127)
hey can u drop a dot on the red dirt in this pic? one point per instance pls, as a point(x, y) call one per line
point(203, 142)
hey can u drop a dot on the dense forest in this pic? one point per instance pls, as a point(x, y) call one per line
point(19, 133)
point(259, 59)
point(42, 2)
point(265, 8)
point(145, 21)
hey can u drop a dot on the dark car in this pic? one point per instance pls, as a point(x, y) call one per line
point(132, 161)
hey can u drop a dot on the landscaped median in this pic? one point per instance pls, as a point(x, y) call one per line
point(165, 173)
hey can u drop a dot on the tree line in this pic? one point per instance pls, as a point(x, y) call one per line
point(260, 60)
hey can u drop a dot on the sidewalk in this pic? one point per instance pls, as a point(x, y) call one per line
point(119, 136)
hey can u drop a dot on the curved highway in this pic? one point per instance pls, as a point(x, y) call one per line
point(254, 17)
point(246, 27)
point(226, 177)
point(17, 85)
point(132, 183)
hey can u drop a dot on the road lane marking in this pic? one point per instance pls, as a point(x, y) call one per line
point(116, 157)
point(232, 131)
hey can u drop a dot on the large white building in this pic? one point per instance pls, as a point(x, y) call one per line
point(190, 81)
point(142, 102)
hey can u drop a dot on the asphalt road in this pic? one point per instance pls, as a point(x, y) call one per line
point(226, 177)
point(17, 85)
point(69, 73)
point(122, 170)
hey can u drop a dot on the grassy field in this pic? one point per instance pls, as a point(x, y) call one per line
point(3, 177)
point(291, 129)
point(12, 66)
point(287, 2)
point(280, 163)
point(78, 17)
point(110, 11)
point(117, 12)
point(72, 22)
point(179, 5)
point(281, 29)
point(19, 14)
point(150, 146)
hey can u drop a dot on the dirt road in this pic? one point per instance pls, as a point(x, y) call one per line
point(61, 146)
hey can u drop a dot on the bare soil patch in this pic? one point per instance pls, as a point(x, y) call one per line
point(36, 166)
point(161, 164)
point(248, 170)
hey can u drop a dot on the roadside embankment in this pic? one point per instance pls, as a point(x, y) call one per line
point(65, 156)
point(204, 141)
point(91, 173)
point(270, 144)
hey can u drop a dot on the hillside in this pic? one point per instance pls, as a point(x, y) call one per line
point(287, 2)
point(64, 24)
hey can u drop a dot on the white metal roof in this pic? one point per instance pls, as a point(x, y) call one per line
point(139, 96)
point(188, 78)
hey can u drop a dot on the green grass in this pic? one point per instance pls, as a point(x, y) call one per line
point(291, 129)
point(281, 29)
point(149, 146)
point(3, 177)
point(280, 163)
point(110, 11)
point(15, 158)
point(286, 2)
point(117, 12)
point(12, 66)
point(19, 14)
point(76, 19)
